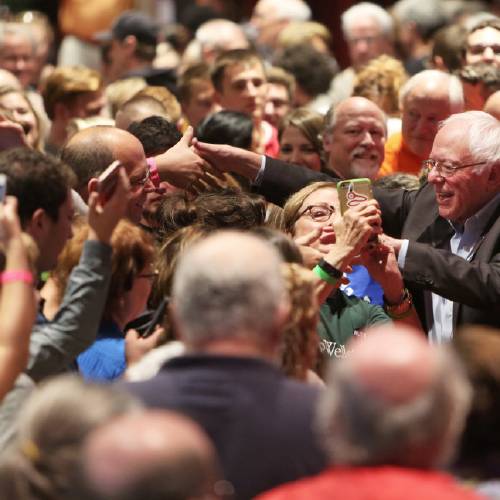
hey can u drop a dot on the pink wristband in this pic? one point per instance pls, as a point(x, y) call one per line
point(13, 276)
point(153, 171)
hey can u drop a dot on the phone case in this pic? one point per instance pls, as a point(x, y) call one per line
point(353, 191)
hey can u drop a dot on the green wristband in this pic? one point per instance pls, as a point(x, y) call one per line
point(324, 276)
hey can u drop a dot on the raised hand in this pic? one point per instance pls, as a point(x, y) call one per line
point(103, 218)
point(11, 134)
point(183, 167)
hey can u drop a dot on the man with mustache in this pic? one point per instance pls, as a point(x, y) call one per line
point(354, 138)
point(426, 99)
point(446, 234)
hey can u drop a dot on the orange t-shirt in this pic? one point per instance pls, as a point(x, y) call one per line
point(398, 158)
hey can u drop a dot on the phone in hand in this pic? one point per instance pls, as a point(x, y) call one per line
point(107, 181)
point(156, 318)
point(352, 192)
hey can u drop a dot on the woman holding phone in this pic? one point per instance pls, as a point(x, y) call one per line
point(330, 244)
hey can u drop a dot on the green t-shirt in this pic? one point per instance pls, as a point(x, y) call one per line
point(341, 317)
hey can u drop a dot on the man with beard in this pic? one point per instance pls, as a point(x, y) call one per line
point(354, 138)
point(426, 99)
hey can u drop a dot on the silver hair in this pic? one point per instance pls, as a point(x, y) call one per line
point(482, 133)
point(455, 90)
point(363, 10)
point(228, 285)
point(18, 29)
point(292, 10)
point(218, 32)
point(357, 428)
point(427, 15)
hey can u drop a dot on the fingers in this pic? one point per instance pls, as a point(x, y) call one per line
point(309, 238)
point(187, 137)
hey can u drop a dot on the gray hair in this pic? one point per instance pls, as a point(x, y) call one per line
point(358, 428)
point(292, 10)
point(228, 285)
point(455, 90)
point(17, 29)
point(427, 15)
point(482, 133)
point(367, 9)
point(218, 33)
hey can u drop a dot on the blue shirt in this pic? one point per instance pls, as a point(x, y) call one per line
point(363, 286)
point(105, 359)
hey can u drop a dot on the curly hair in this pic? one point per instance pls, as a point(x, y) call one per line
point(300, 338)
point(380, 81)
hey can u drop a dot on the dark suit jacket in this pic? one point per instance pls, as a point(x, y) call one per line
point(474, 286)
point(260, 421)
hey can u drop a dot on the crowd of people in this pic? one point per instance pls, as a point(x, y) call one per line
point(230, 268)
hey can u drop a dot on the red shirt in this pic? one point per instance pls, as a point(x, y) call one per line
point(373, 483)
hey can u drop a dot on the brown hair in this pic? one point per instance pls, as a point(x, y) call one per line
point(65, 84)
point(191, 75)
point(133, 250)
point(232, 58)
point(295, 202)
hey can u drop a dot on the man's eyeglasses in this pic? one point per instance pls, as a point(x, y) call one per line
point(318, 213)
point(143, 181)
point(447, 169)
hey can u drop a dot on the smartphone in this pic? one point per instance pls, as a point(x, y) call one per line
point(107, 181)
point(156, 319)
point(353, 191)
point(3, 187)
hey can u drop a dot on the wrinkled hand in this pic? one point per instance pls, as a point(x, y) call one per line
point(183, 167)
point(11, 134)
point(226, 158)
point(136, 346)
point(10, 225)
point(357, 225)
point(103, 219)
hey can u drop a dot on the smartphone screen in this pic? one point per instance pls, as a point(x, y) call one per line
point(353, 191)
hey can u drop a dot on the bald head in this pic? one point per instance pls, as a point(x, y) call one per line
point(492, 105)
point(90, 151)
point(426, 99)
point(395, 400)
point(405, 371)
point(152, 454)
point(354, 138)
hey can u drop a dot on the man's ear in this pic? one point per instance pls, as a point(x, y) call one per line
point(130, 43)
point(37, 226)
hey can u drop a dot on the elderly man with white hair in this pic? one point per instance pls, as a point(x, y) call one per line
point(425, 99)
point(230, 305)
point(389, 419)
point(368, 30)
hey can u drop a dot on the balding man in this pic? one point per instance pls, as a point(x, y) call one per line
point(447, 232)
point(90, 151)
point(153, 454)
point(426, 99)
point(354, 138)
point(230, 305)
point(388, 421)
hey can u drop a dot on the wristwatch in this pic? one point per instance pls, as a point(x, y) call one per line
point(401, 309)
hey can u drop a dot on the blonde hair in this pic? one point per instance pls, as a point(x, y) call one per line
point(166, 98)
point(300, 338)
point(302, 32)
point(382, 78)
point(118, 93)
